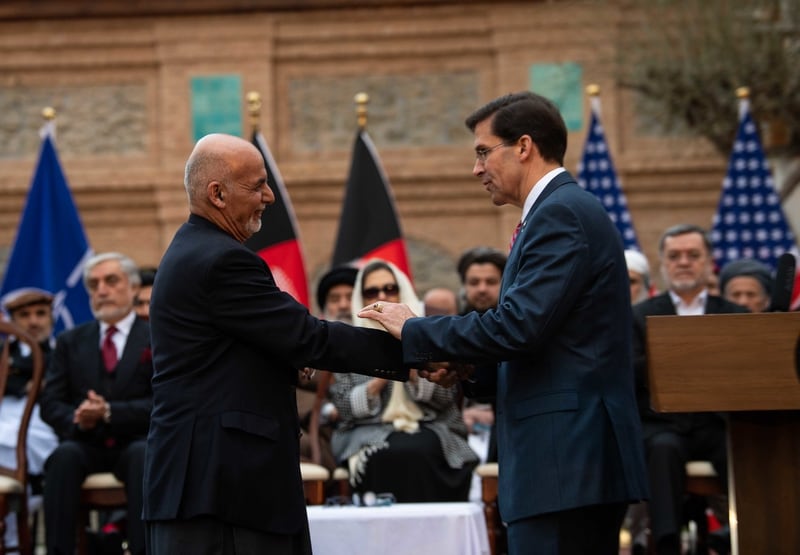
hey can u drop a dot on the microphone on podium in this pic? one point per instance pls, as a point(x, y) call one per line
point(784, 283)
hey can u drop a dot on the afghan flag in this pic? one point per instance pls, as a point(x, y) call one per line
point(369, 226)
point(277, 242)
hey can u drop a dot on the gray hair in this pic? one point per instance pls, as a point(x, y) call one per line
point(128, 266)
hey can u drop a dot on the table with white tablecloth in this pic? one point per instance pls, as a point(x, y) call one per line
point(399, 529)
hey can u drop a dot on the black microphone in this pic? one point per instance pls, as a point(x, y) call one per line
point(784, 283)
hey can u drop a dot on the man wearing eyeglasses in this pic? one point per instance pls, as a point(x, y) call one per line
point(672, 439)
point(569, 438)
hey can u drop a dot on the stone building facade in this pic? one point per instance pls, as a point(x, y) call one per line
point(135, 86)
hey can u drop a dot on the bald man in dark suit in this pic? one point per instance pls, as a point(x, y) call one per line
point(222, 473)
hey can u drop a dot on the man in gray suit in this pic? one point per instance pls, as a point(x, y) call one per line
point(569, 441)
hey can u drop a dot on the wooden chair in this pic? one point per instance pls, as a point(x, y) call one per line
point(14, 481)
point(314, 478)
point(100, 492)
point(702, 479)
point(495, 529)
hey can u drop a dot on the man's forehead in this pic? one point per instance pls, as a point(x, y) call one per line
point(685, 240)
point(340, 289)
point(105, 268)
point(32, 308)
point(482, 268)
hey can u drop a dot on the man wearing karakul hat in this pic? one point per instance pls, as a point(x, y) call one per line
point(747, 282)
point(30, 309)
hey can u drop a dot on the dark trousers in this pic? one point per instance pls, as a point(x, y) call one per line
point(210, 536)
point(592, 530)
point(65, 471)
point(667, 448)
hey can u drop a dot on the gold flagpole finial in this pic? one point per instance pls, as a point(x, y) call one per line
point(48, 113)
point(742, 93)
point(361, 99)
point(254, 108)
point(593, 89)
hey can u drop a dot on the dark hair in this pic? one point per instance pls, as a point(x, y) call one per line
point(480, 255)
point(340, 275)
point(683, 229)
point(147, 275)
point(526, 113)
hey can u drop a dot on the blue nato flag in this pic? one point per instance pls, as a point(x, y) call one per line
point(50, 247)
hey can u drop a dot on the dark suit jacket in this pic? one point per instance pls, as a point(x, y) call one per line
point(567, 428)
point(661, 305)
point(227, 343)
point(76, 367)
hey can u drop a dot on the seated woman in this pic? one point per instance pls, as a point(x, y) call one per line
point(406, 439)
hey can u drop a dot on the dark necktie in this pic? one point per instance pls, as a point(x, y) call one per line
point(109, 350)
point(514, 236)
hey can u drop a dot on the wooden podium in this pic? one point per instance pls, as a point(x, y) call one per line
point(745, 365)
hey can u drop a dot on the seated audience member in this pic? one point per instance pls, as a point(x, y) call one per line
point(405, 439)
point(639, 273)
point(32, 310)
point(334, 291)
point(440, 301)
point(98, 399)
point(481, 271)
point(747, 283)
point(142, 302)
point(672, 439)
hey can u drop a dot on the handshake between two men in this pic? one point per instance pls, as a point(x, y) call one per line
point(393, 316)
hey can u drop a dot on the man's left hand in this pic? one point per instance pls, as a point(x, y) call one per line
point(391, 316)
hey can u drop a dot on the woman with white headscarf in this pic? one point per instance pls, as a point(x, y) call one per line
point(405, 439)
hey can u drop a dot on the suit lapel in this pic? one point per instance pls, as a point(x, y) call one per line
point(127, 365)
point(508, 276)
point(665, 305)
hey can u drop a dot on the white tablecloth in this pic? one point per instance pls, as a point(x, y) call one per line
point(400, 529)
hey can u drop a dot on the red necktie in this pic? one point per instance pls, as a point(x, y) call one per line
point(109, 350)
point(514, 236)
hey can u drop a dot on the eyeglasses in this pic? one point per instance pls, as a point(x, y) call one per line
point(373, 292)
point(481, 154)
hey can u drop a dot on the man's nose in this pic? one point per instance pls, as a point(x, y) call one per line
point(477, 168)
point(267, 196)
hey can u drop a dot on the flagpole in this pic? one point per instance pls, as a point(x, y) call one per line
point(361, 99)
point(743, 94)
point(49, 117)
point(254, 109)
point(593, 90)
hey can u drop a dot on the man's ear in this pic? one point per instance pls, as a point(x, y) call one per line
point(216, 194)
point(525, 147)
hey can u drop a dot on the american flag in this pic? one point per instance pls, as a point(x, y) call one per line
point(596, 174)
point(750, 222)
